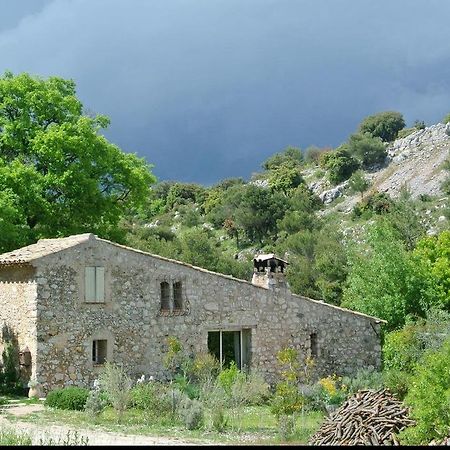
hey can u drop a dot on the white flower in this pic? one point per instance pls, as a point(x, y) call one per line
point(151, 378)
point(141, 380)
point(96, 384)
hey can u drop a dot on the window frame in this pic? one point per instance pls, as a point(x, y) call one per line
point(97, 349)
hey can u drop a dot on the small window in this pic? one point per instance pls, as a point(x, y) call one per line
point(313, 345)
point(165, 296)
point(94, 284)
point(177, 296)
point(99, 351)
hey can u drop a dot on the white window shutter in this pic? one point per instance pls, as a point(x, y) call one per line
point(89, 284)
point(100, 284)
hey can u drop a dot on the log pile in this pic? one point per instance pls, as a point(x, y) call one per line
point(367, 418)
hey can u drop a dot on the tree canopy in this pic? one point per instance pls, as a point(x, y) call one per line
point(384, 125)
point(58, 174)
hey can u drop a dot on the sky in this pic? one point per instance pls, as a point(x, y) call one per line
point(208, 89)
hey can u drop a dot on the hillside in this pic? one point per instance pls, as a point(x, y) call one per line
point(415, 161)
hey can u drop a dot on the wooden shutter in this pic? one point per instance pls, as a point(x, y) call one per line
point(89, 284)
point(99, 284)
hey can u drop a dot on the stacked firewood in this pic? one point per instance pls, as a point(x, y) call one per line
point(367, 418)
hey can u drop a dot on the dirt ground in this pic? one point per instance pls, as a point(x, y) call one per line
point(40, 434)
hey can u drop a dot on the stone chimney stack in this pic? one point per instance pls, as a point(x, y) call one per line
point(269, 271)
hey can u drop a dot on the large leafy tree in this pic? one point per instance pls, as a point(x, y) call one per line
point(367, 149)
point(384, 281)
point(58, 174)
point(384, 125)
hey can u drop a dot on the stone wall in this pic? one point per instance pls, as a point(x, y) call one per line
point(18, 311)
point(137, 331)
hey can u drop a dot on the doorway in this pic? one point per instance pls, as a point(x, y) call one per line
point(231, 346)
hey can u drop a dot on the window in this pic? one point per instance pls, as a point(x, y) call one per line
point(99, 351)
point(94, 279)
point(177, 296)
point(165, 296)
point(313, 345)
point(229, 346)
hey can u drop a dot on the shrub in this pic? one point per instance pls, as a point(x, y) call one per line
point(363, 379)
point(402, 349)
point(95, 403)
point(152, 396)
point(219, 418)
point(205, 368)
point(312, 153)
point(384, 125)
point(428, 397)
point(397, 381)
point(184, 385)
point(367, 149)
point(117, 386)
point(191, 412)
point(287, 400)
point(71, 398)
point(339, 163)
point(358, 182)
point(227, 377)
point(10, 437)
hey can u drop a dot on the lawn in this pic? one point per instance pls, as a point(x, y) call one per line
point(250, 425)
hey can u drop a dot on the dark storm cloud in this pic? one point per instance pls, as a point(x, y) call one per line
point(207, 89)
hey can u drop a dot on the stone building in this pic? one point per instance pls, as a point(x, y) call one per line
point(73, 303)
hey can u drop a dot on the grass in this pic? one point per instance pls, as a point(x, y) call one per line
point(247, 425)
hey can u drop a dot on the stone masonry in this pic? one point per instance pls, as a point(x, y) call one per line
point(42, 299)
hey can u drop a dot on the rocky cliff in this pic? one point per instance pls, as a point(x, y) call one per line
point(415, 161)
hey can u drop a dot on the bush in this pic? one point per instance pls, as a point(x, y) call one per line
point(384, 125)
point(402, 349)
point(363, 379)
point(71, 398)
point(191, 412)
point(339, 163)
point(95, 404)
point(333, 391)
point(204, 368)
point(377, 203)
point(287, 400)
point(428, 397)
point(117, 386)
point(152, 396)
point(397, 381)
point(312, 153)
point(186, 387)
point(367, 149)
point(10, 437)
point(227, 377)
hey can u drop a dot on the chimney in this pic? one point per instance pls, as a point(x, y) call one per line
point(269, 271)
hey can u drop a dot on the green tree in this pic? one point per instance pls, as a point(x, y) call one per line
point(367, 149)
point(284, 178)
point(383, 280)
point(358, 182)
point(291, 156)
point(446, 119)
point(432, 258)
point(182, 193)
point(429, 397)
point(58, 174)
point(198, 249)
point(384, 125)
point(339, 163)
